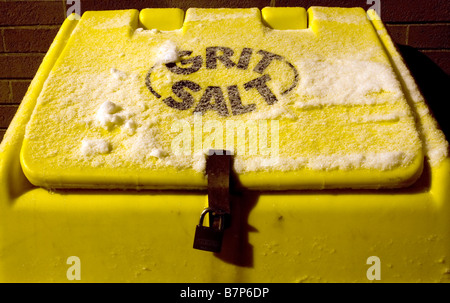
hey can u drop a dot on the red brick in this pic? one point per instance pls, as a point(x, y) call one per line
point(223, 3)
point(5, 93)
point(415, 11)
point(86, 5)
point(330, 3)
point(440, 57)
point(22, 66)
point(429, 35)
point(31, 12)
point(398, 32)
point(30, 39)
point(7, 113)
point(94, 5)
point(2, 134)
point(18, 90)
point(2, 47)
point(391, 10)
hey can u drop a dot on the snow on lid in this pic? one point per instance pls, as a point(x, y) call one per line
point(350, 17)
point(120, 21)
point(92, 147)
point(436, 147)
point(118, 74)
point(143, 140)
point(219, 14)
point(106, 20)
point(158, 153)
point(380, 161)
point(392, 117)
point(345, 82)
point(107, 116)
point(144, 143)
point(167, 53)
point(130, 127)
point(276, 111)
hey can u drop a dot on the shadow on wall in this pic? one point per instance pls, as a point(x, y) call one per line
point(433, 82)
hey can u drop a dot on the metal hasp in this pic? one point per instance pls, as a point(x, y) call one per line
point(218, 167)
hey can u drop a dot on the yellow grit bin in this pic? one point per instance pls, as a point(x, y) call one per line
point(339, 172)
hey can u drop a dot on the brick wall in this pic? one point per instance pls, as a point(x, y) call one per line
point(27, 28)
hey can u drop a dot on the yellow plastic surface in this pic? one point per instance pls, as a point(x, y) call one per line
point(65, 112)
point(285, 17)
point(165, 19)
point(147, 236)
